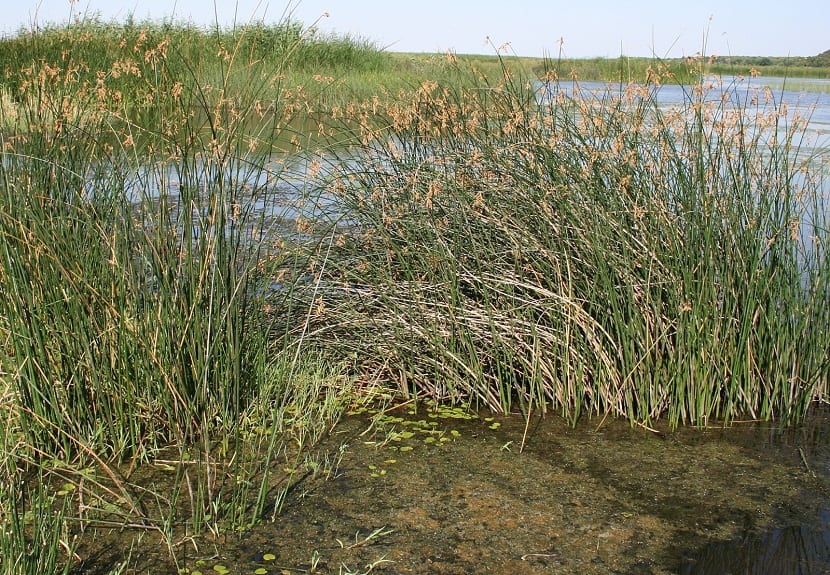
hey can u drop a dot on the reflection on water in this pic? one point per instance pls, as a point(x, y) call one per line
point(799, 549)
point(759, 94)
point(794, 550)
point(278, 189)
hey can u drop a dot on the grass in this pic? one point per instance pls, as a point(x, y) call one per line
point(622, 70)
point(779, 71)
point(35, 536)
point(171, 349)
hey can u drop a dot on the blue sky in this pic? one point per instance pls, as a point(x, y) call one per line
point(532, 27)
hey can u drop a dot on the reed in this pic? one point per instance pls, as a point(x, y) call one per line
point(586, 254)
point(138, 231)
point(34, 537)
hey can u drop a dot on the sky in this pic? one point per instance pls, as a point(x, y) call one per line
point(570, 28)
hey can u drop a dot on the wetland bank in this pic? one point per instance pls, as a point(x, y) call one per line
point(187, 374)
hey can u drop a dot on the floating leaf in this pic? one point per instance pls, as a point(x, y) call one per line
point(66, 489)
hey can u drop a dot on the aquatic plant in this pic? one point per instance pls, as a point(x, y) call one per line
point(585, 253)
point(137, 264)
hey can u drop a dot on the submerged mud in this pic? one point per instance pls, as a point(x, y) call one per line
point(443, 492)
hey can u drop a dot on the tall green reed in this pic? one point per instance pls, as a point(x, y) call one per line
point(137, 247)
point(585, 253)
point(119, 314)
point(34, 534)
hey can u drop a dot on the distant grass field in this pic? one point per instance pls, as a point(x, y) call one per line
point(332, 69)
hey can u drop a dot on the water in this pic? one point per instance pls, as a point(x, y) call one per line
point(793, 549)
point(600, 498)
point(798, 546)
point(804, 98)
point(278, 189)
point(441, 492)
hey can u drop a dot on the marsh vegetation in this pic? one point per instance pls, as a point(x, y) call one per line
point(460, 230)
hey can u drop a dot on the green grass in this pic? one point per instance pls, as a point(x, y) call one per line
point(671, 70)
point(777, 71)
point(622, 70)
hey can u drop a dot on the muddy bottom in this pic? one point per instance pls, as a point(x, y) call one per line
point(445, 493)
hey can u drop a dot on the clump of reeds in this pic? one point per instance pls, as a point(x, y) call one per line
point(34, 534)
point(138, 236)
point(128, 300)
point(517, 242)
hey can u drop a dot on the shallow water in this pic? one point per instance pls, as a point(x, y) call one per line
point(437, 492)
point(808, 100)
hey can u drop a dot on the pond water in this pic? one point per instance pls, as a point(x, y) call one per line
point(804, 98)
point(286, 188)
point(441, 491)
